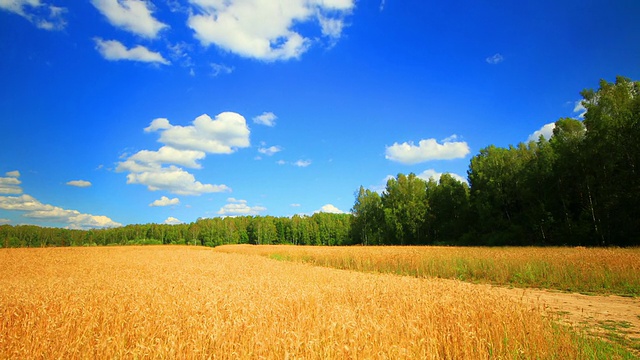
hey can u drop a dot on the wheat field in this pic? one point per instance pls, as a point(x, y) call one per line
point(179, 302)
point(588, 270)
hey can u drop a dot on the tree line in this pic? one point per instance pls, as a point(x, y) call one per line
point(579, 187)
point(318, 229)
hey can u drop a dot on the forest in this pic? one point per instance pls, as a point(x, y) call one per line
point(581, 187)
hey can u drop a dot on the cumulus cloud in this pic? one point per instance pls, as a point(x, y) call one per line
point(10, 184)
point(329, 208)
point(224, 135)
point(495, 59)
point(147, 159)
point(266, 118)
point(134, 16)
point(172, 221)
point(79, 183)
point(34, 209)
point(265, 30)
point(174, 180)
point(4, 221)
point(43, 16)
point(236, 207)
point(165, 201)
point(432, 174)
point(114, 50)
point(426, 150)
point(269, 151)
point(158, 124)
point(184, 147)
point(546, 131)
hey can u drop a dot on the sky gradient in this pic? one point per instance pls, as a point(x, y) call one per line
point(116, 112)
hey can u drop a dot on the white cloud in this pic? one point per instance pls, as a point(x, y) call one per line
point(23, 203)
point(172, 221)
point(451, 138)
point(267, 118)
point(580, 109)
point(131, 15)
point(36, 210)
point(18, 6)
point(269, 151)
point(265, 29)
point(331, 27)
point(79, 183)
point(429, 149)
point(43, 16)
point(495, 59)
point(174, 180)
point(299, 163)
point(224, 135)
point(113, 50)
point(158, 124)
point(295, 205)
point(166, 155)
point(329, 209)
point(5, 221)
point(432, 174)
point(11, 183)
point(185, 146)
point(239, 207)
point(302, 163)
point(220, 69)
point(165, 201)
point(546, 131)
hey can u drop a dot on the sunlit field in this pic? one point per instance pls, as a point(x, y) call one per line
point(178, 302)
point(588, 270)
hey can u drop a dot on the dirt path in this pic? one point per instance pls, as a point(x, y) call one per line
point(607, 316)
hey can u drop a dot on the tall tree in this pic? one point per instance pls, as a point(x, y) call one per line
point(613, 129)
point(449, 209)
point(405, 209)
point(368, 218)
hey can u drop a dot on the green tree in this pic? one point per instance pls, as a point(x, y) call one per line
point(449, 209)
point(405, 207)
point(368, 218)
point(612, 121)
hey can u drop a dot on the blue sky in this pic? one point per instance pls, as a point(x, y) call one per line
point(116, 112)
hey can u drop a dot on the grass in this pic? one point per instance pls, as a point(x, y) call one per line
point(189, 302)
point(588, 271)
point(617, 332)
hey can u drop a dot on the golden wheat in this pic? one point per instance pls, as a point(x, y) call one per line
point(577, 269)
point(187, 302)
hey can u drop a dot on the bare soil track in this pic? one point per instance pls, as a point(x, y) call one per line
point(593, 313)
